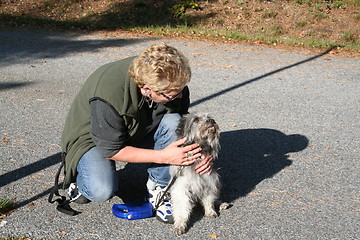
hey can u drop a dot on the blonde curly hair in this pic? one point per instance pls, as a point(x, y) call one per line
point(162, 68)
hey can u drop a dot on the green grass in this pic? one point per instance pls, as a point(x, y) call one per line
point(269, 14)
point(238, 36)
point(350, 37)
point(6, 204)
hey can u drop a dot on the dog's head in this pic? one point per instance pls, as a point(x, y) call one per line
point(200, 129)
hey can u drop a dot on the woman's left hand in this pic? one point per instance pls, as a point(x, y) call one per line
point(206, 165)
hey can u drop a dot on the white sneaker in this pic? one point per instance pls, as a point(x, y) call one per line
point(161, 205)
point(75, 195)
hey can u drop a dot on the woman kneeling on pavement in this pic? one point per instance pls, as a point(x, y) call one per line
point(122, 108)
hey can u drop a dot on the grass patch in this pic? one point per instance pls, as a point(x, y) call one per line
point(357, 16)
point(6, 207)
point(6, 204)
point(179, 9)
point(350, 37)
point(339, 4)
point(246, 13)
point(240, 20)
point(276, 30)
point(272, 35)
point(318, 15)
point(301, 23)
point(269, 14)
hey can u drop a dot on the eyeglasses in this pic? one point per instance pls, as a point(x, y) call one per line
point(171, 98)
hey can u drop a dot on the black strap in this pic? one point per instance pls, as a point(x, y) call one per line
point(63, 203)
point(161, 199)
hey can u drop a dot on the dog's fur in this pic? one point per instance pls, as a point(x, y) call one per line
point(190, 187)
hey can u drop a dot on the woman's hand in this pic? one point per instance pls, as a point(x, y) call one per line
point(206, 165)
point(176, 155)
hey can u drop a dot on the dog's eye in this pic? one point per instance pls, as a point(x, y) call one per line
point(212, 121)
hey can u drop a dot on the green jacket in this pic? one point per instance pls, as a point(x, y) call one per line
point(112, 84)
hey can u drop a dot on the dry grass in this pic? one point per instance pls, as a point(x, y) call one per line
point(303, 23)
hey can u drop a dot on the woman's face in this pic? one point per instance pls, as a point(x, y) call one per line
point(161, 98)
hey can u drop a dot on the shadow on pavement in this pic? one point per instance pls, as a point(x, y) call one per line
point(5, 86)
point(29, 169)
point(257, 78)
point(18, 46)
point(249, 156)
point(132, 182)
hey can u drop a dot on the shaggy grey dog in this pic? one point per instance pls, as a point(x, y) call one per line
point(190, 187)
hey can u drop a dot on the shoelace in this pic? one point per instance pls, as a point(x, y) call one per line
point(162, 197)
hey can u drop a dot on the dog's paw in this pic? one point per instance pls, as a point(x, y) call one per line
point(211, 214)
point(223, 206)
point(178, 230)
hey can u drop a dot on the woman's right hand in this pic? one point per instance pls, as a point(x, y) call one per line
point(176, 155)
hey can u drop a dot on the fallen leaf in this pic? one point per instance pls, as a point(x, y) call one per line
point(63, 233)
point(234, 125)
point(310, 145)
point(5, 139)
point(213, 235)
point(37, 90)
point(31, 204)
point(326, 149)
point(35, 176)
point(3, 223)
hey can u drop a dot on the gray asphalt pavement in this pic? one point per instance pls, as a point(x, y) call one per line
point(290, 137)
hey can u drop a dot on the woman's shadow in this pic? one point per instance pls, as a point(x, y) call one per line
point(249, 156)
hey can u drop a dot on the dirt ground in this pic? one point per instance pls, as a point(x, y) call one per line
point(274, 21)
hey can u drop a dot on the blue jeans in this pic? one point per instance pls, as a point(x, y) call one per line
point(97, 177)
